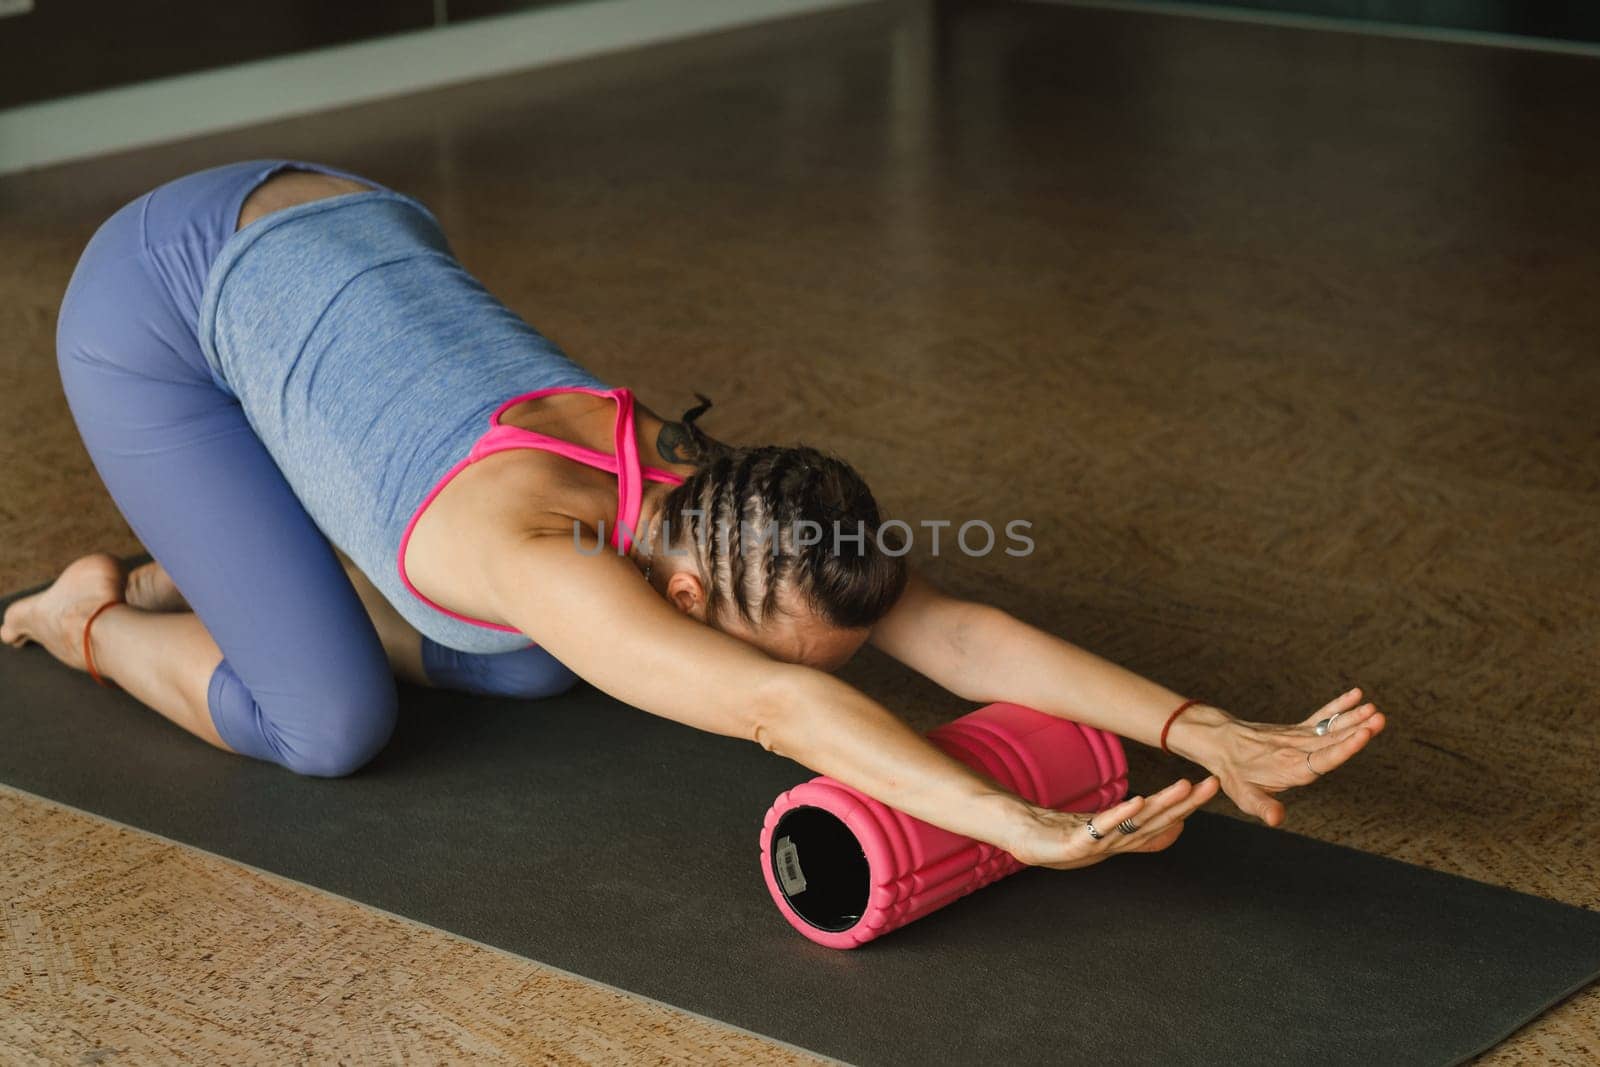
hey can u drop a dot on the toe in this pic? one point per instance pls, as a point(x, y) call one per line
point(11, 629)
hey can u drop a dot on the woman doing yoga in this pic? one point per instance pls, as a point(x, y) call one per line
point(351, 463)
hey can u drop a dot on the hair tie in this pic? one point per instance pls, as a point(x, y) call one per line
point(695, 412)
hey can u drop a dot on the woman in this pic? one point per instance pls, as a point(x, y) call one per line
point(356, 464)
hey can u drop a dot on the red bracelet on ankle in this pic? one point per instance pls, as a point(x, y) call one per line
point(88, 658)
point(1170, 720)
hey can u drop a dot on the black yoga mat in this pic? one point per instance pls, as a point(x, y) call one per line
point(594, 837)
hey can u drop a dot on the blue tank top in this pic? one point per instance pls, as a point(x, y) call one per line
point(368, 361)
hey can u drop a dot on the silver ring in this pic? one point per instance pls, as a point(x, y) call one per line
point(1096, 834)
point(1310, 768)
point(1126, 826)
point(1327, 724)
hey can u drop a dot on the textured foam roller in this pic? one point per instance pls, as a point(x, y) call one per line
point(844, 868)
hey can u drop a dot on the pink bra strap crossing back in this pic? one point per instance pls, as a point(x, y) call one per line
point(623, 462)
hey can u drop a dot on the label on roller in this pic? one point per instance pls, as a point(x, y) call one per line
point(790, 876)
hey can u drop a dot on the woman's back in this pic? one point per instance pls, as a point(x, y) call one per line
point(368, 361)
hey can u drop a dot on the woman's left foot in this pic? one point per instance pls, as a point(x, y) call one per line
point(151, 588)
point(54, 618)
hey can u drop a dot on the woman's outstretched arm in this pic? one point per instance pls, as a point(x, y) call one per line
point(978, 652)
point(981, 653)
point(595, 614)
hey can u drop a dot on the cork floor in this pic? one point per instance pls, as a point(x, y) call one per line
point(1284, 341)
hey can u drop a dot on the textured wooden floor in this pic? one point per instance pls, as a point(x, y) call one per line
point(1284, 341)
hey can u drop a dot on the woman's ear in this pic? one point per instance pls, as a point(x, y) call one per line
point(687, 594)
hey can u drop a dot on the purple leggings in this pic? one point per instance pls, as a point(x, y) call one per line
point(303, 681)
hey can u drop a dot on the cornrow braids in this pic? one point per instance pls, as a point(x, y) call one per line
point(776, 491)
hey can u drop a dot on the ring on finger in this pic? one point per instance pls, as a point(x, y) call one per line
point(1310, 768)
point(1127, 826)
point(1327, 724)
point(1096, 834)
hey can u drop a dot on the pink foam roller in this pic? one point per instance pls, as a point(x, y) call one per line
point(844, 868)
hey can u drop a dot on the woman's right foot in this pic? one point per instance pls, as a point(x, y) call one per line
point(150, 588)
point(58, 617)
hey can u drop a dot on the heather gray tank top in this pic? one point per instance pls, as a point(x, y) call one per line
point(368, 361)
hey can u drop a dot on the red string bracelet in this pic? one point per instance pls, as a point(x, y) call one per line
point(1174, 718)
point(88, 658)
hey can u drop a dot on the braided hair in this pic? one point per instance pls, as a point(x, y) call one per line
point(759, 517)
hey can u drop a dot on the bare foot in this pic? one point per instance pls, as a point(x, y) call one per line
point(55, 617)
point(150, 588)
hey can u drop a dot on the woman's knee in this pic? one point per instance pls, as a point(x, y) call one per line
point(346, 746)
point(554, 684)
point(529, 674)
point(325, 735)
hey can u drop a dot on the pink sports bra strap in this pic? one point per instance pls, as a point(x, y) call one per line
point(623, 462)
point(630, 479)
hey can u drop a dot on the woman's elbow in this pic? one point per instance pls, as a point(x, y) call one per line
point(779, 700)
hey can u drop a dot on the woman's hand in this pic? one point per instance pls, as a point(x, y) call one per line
point(1061, 839)
point(1254, 760)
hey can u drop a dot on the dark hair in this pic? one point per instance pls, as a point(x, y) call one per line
point(773, 491)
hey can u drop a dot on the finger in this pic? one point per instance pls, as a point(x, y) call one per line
point(1375, 722)
point(1108, 822)
point(1253, 800)
point(1342, 702)
point(1157, 803)
point(1152, 824)
point(1369, 719)
point(1105, 822)
point(1325, 759)
point(1344, 723)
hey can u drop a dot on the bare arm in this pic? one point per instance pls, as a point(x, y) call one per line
point(595, 615)
point(979, 652)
